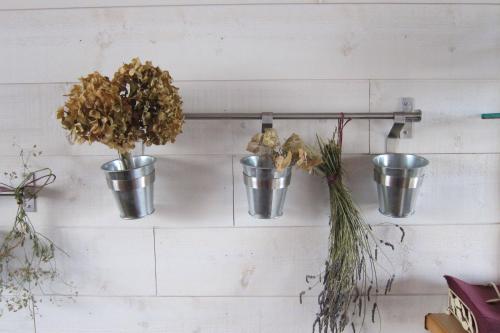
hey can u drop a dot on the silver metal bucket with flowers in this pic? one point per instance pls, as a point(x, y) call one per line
point(267, 173)
point(139, 104)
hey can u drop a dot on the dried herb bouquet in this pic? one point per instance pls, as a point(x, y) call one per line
point(350, 280)
point(138, 104)
point(27, 257)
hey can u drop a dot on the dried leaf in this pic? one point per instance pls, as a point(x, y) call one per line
point(281, 163)
point(270, 138)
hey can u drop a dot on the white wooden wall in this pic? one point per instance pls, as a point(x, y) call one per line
point(200, 263)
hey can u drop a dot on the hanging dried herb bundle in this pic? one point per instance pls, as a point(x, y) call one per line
point(292, 152)
point(27, 260)
point(139, 103)
point(350, 284)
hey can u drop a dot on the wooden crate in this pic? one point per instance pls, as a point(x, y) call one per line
point(442, 323)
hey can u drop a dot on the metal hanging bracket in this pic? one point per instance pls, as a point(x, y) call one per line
point(267, 121)
point(403, 128)
point(29, 199)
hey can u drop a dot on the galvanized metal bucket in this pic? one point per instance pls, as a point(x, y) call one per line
point(132, 188)
point(265, 186)
point(398, 178)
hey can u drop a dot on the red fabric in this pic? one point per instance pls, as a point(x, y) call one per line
point(475, 297)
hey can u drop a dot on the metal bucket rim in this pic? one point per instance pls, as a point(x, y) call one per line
point(424, 162)
point(152, 161)
point(246, 158)
point(138, 217)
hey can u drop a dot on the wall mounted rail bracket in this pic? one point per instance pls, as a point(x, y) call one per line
point(402, 128)
point(29, 198)
point(267, 121)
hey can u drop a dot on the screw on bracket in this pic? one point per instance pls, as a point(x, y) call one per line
point(267, 121)
point(29, 200)
point(402, 127)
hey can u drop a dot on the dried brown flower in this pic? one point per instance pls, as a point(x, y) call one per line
point(293, 152)
point(303, 157)
point(140, 103)
point(155, 102)
point(94, 112)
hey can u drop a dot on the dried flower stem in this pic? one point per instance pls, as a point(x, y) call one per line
point(127, 160)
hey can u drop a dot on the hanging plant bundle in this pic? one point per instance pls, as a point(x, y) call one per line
point(27, 258)
point(349, 282)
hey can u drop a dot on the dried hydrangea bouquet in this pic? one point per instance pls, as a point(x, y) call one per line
point(139, 104)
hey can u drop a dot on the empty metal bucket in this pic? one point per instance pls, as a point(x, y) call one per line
point(398, 178)
point(133, 188)
point(265, 186)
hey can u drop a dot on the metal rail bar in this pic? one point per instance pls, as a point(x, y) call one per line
point(414, 116)
point(4, 191)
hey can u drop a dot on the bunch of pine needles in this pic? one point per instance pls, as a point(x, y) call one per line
point(350, 284)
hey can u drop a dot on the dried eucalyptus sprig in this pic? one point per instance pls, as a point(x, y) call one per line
point(293, 152)
point(350, 280)
point(27, 259)
point(138, 104)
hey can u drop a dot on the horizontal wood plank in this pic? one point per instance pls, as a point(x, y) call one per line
point(238, 262)
point(101, 261)
point(256, 42)
point(455, 188)
point(451, 116)
point(218, 315)
point(80, 197)
point(429, 252)
point(58, 4)
point(190, 191)
point(16, 321)
point(458, 189)
point(25, 121)
point(275, 261)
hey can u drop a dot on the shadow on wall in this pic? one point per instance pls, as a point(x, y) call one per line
point(358, 173)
